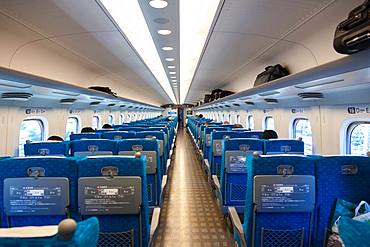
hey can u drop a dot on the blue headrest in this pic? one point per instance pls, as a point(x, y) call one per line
point(93, 145)
point(243, 144)
point(80, 136)
point(144, 134)
point(131, 144)
point(281, 146)
point(46, 148)
point(118, 135)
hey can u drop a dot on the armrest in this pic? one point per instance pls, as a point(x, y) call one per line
point(164, 183)
point(207, 164)
point(237, 225)
point(154, 224)
point(216, 182)
point(168, 164)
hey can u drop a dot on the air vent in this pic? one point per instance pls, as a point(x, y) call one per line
point(67, 101)
point(311, 96)
point(94, 103)
point(221, 106)
point(67, 94)
point(122, 106)
point(227, 106)
point(16, 96)
point(130, 106)
point(268, 93)
point(235, 104)
point(249, 102)
point(111, 104)
point(271, 101)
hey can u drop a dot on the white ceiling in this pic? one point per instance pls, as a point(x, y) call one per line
point(75, 42)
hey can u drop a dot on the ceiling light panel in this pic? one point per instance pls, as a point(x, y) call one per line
point(158, 4)
point(164, 32)
point(137, 33)
point(196, 18)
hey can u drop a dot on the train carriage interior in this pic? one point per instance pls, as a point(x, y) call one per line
point(142, 123)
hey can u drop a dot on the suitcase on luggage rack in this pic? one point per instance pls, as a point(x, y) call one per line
point(353, 34)
point(271, 73)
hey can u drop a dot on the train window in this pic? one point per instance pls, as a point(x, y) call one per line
point(111, 119)
point(121, 118)
point(250, 122)
point(229, 119)
point(71, 127)
point(358, 138)
point(238, 119)
point(269, 123)
point(302, 128)
point(128, 118)
point(134, 117)
point(95, 122)
point(223, 118)
point(31, 130)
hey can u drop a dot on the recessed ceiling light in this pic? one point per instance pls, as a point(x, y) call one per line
point(172, 73)
point(173, 77)
point(164, 32)
point(158, 4)
point(169, 59)
point(167, 48)
point(194, 31)
point(174, 80)
point(137, 32)
point(171, 66)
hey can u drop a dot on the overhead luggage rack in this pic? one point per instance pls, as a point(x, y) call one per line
point(347, 78)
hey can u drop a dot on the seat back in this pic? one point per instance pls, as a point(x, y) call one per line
point(233, 173)
point(118, 135)
point(162, 144)
point(338, 177)
point(275, 213)
point(80, 136)
point(93, 147)
point(112, 188)
point(150, 149)
point(46, 148)
point(30, 183)
point(284, 146)
point(207, 139)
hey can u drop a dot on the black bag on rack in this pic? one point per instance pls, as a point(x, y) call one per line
point(271, 73)
point(208, 98)
point(216, 93)
point(353, 34)
point(104, 90)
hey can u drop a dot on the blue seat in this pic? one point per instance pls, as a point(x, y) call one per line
point(233, 175)
point(207, 139)
point(80, 136)
point(338, 177)
point(92, 147)
point(118, 135)
point(284, 146)
point(129, 224)
point(160, 136)
point(150, 149)
point(46, 148)
point(215, 154)
point(85, 235)
point(275, 215)
point(37, 171)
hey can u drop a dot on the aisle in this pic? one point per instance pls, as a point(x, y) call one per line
point(190, 216)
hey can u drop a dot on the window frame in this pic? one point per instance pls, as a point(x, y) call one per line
point(351, 126)
point(248, 123)
point(99, 121)
point(44, 129)
point(294, 128)
point(112, 116)
point(265, 122)
point(78, 121)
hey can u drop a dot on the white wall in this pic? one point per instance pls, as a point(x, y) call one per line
point(54, 120)
point(328, 123)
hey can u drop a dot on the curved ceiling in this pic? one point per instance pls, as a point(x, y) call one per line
point(75, 42)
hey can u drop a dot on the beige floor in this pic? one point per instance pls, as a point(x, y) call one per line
point(190, 216)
